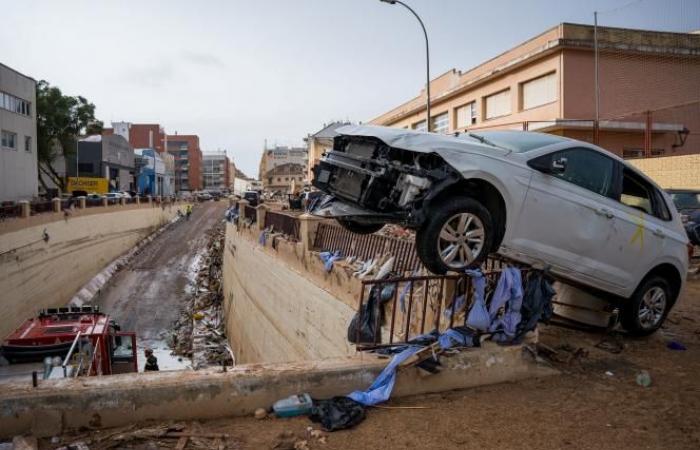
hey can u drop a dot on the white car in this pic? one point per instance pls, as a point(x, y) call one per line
point(535, 198)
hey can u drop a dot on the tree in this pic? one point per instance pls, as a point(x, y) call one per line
point(60, 120)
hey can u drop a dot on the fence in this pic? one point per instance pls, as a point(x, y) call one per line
point(8, 211)
point(334, 237)
point(417, 304)
point(41, 207)
point(283, 223)
point(250, 212)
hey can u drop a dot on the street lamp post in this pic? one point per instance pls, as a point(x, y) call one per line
point(427, 58)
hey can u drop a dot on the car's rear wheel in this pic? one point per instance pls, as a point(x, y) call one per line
point(457, 235)
point(358, 227)
point(647, 308)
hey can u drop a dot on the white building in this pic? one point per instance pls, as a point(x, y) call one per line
point(18, 158)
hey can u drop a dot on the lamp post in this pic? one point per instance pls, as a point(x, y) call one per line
point(427, 58)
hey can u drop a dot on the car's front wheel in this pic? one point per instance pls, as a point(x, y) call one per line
point(457, 235)
point(648, 307)
point(358, 227)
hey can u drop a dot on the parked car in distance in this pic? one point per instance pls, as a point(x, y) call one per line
point(253, 197)
point(204, 196)
point(539, 199)
point(687, 203)
point(125, 194)
point(95, 196)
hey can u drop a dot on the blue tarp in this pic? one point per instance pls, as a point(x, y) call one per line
point(328, 258)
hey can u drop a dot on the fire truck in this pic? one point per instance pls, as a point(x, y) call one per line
point(72, 342)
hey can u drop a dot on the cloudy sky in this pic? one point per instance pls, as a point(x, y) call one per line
point(238, 72)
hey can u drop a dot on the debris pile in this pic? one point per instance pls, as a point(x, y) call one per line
point(199, 333)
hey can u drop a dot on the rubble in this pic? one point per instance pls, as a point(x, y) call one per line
point(200, 332)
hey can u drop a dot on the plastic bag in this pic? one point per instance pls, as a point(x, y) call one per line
point(370, 322)
point(337, 413)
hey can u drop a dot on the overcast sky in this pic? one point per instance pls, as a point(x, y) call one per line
point(239, 72)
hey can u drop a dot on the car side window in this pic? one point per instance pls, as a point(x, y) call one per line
point(639, 194)
point(584, 167)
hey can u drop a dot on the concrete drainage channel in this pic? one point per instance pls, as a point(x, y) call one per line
point(286, 318)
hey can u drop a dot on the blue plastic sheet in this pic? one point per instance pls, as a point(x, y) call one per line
point(478, 317)
point(328, 258)
point(508, 294)
point(263, 238)
point(453, 337)
point(380, 390)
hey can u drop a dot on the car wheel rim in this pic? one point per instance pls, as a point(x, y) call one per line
point(461, 240)
point(652, 307)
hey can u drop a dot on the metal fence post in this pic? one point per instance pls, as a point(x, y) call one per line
point(81, 202)
point(56, 204)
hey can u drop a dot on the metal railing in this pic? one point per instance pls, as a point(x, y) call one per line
point(418, 304)
point(283, 223)
point(41, 207)
point(250, 212)
point(8, 211)
point(331, 237)
point(93, 202)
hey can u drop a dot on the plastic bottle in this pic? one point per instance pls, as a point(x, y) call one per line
point(296, 405)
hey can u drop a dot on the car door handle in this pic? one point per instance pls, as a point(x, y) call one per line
point(659, 232)
point(604, 212)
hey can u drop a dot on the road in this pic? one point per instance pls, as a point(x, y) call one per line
point(147, 295)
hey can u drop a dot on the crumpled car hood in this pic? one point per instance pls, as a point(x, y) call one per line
point(447, 146)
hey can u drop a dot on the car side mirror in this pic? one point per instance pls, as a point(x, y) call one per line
point(559, 165)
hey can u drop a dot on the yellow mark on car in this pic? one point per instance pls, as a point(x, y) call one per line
point(638, 231)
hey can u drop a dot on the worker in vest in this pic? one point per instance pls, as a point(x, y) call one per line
point(151, 361)
point(189, 211)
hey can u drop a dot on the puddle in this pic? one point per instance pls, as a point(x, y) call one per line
point(166, 361)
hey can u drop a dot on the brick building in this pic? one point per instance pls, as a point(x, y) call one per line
point(649, 91)
point(188, 161)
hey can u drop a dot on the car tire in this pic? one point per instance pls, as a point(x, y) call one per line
point(360, 228)
point(648, 307)
point(457, 224)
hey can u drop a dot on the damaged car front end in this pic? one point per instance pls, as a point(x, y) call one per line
point(369, 182)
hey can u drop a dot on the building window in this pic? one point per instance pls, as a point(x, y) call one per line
point(419, 126)
point(279, 180)
point(28, 144)
point(15, 104)
point(466, 115)
point(440, 123)
point(631, 152)
point(9, 140)
point(539, 91)
point(497, 104)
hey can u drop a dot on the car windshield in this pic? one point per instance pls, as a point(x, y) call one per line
point(686, 200)
point(516, 141)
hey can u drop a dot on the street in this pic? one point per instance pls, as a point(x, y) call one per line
point(146, 297)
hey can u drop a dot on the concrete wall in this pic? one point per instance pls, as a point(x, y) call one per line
point(679, 172)
point(35, 274)
point(275, 314)
point(99, 402)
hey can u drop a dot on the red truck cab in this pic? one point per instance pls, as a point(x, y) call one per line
point(85, 339)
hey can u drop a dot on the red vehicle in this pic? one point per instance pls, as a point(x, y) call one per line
point(83, 339)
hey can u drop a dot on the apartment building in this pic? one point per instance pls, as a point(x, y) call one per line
point(649, 84)
point(18, 156)
point(284, 178)
point(216, 171)
point(280, 155)
point(188, 161)
point(140, 135)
